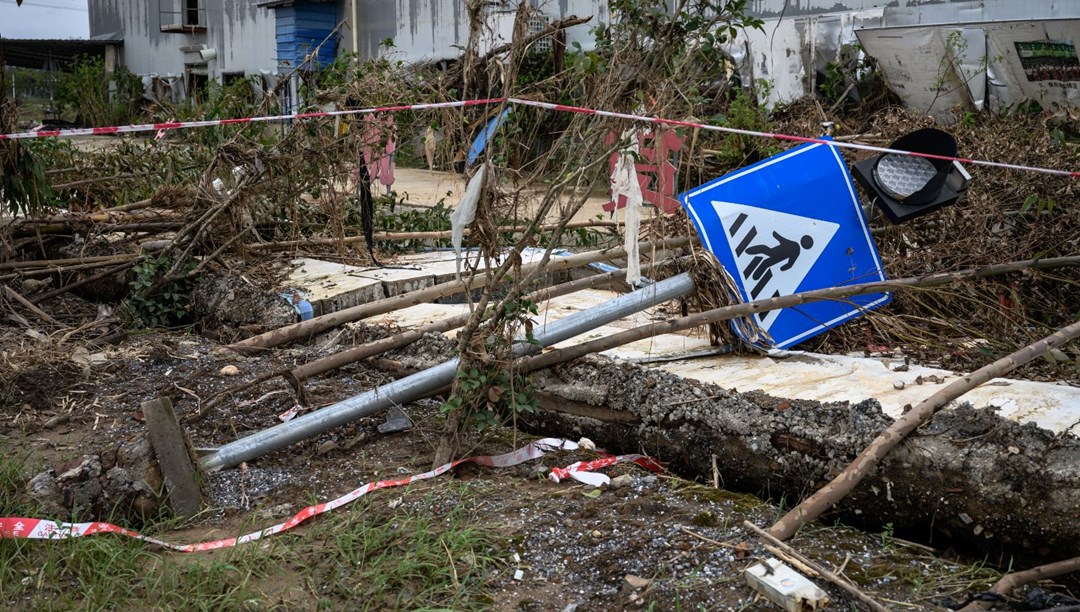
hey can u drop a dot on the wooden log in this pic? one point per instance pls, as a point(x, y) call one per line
point(172, 449)
point(306, 329)
point(63, 263)
point(1013, 580)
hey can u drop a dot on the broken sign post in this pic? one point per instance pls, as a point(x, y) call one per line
point(788, 224)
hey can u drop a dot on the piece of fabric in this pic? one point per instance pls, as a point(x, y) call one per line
point(624, 182)
point(465, 213)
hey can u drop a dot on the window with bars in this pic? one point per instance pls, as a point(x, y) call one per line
point(538, 23)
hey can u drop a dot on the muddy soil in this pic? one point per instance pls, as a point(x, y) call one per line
point(564, 546)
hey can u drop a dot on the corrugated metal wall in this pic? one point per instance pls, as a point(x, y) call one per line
point(301, 29)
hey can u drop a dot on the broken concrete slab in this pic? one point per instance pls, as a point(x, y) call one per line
point(970, 475)
point(331, 286)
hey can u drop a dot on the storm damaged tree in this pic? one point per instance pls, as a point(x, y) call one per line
point(649, 59)
point(23, 184)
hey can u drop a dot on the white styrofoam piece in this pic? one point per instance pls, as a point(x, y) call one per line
point(785, 587)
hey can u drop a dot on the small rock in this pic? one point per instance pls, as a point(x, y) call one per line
point(519, 574)
point(1058, 355)
point(229, 370)
point(634, 583)
point(586, 444)
point(967, 519)
point(619, 482)
point(275, 511)
point(650, 481)
point(978, 529)
point(538, 471)
point(597, 534)
point(898, 385)
point(1013, 450)
point(396, 420)
point(395, 503)
point(356, 440)
point(326, 447)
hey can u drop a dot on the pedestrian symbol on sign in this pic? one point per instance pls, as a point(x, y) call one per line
point(786, 251)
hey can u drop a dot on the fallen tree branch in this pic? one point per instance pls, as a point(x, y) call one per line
point(61, 263)
point(308, 328)
point(392, 236)
point(562, 24)
point(41, 314)
point(86, 281)
point(1008, 582)
point(90, 181)
point(298, 374)
point(813, 506)
point(839, 581)
point(725, 313)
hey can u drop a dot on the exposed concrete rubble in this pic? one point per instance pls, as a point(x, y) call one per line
point(990, 483)
point(123, 482)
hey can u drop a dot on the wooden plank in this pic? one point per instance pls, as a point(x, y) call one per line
point(171, 447)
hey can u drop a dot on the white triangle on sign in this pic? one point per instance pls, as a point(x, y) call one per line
point(773, 251)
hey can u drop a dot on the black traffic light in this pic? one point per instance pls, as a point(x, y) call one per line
point(907, 186)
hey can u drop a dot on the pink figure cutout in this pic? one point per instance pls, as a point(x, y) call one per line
point(656, 172)
point(380, 163)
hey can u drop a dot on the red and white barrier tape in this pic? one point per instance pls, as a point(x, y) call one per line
point(41, 529)
point(787, 137)
point(180, 125)
point(149, 127)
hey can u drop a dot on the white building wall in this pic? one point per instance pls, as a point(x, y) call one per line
point(242, 34)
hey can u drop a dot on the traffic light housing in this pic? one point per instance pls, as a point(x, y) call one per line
point(908, 186)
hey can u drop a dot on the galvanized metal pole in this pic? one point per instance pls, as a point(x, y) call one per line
point(417, 385)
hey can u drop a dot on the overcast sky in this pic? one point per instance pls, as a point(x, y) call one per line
point(44, 19)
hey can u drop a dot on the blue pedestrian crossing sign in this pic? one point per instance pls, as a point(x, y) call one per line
point(788, 224)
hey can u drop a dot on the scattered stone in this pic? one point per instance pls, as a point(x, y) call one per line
point(596, 534)
point(396, 420)
point(229, 370)
point(538, 471)
point(275, 511)
point(625, 480)
point(396, 503)
point(898, 385)
point(326, 447)
point(356, 440)
point(45, 491)
point(586, 444)
point(1059, 355)
point(635, 583)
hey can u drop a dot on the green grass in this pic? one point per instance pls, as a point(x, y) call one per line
point(439, 555)
point(424, 558)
